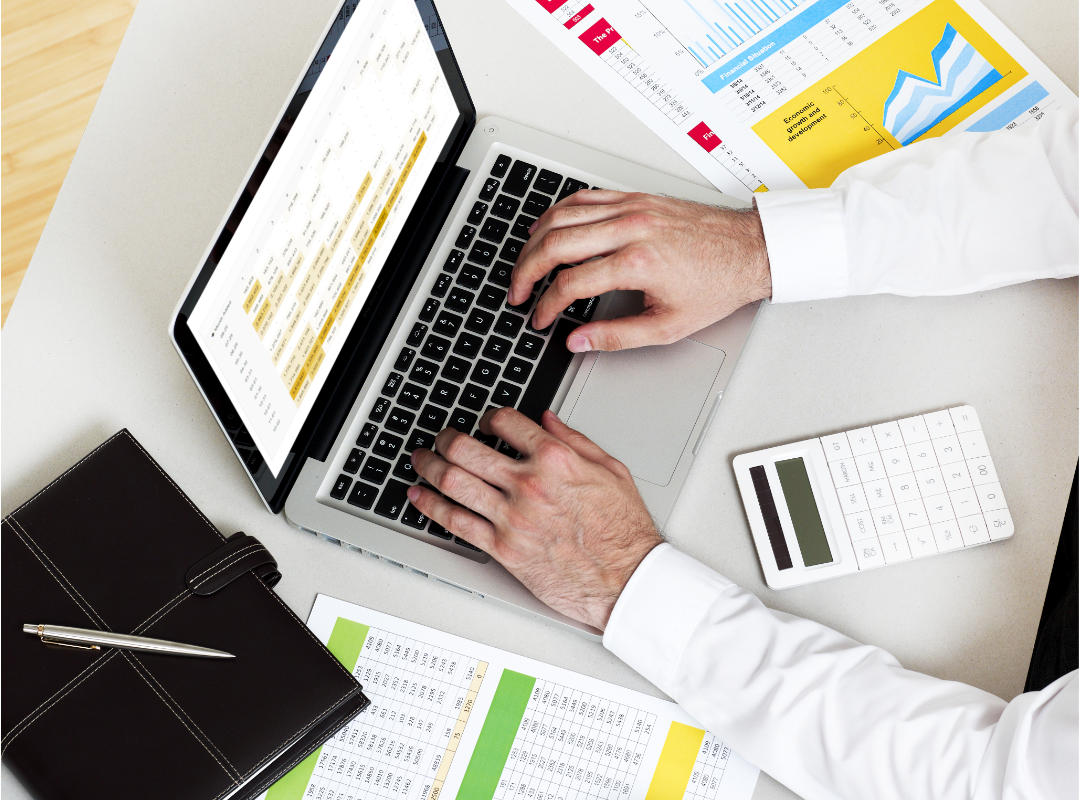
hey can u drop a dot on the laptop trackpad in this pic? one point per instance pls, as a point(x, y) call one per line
point(641, 405)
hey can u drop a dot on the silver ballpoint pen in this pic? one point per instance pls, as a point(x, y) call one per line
point(84, 639)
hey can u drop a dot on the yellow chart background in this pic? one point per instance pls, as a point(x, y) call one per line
point(851, 99)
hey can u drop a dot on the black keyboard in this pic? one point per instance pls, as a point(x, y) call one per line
point(467, 350)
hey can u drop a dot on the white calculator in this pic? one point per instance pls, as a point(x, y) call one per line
point(872, 496)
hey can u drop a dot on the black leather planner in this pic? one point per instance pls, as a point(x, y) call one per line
point(113, 544)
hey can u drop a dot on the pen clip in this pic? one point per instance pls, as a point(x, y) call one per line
point(56, 643)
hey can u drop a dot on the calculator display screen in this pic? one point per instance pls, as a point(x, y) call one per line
point(805, 516)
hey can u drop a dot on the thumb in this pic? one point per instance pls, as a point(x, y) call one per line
point(623, 333)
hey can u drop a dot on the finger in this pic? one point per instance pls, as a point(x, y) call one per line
point(475, 457)
point(571, 213)
point(578, 442)
point(456, 519)
point(647, 328)
point(514, 428)
point(459, 484)
point(585, 280)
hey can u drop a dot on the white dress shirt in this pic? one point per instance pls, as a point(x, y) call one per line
point(821, 713)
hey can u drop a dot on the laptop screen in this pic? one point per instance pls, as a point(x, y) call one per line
point(275, 313)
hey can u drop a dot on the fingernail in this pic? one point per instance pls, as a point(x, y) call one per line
point(532, 228)
point(577, 344)
point(413, 493)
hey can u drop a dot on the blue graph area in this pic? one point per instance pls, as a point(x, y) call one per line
point(727, 24)
point(917, 104)
point(1012, 108)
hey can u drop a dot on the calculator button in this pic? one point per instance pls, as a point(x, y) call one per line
point(973, 530)
point(982, 471)
point(939, 509)
point(947, 536)
point(930, 481)
point(895, 548)
point(956, 476)
point(887, 520)
point(991, 498)
point(921, 456)
point(973, 444)
point(896, 461)
point(844, 473)
point(888, 435)
point(861, 526)
point(904, 487)
point(852, 499)
point(836, 446)
point(939, 423)
point(965, 419)
point(947, 449)
point(868, 554)
point(912, 514)
point(921, 542)
point(862, 441)
point(964, 502)
point(870, 467)
point(999, 523)
point(913, 429)
point(878, 493)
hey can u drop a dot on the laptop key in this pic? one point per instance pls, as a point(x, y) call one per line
point(471, 276)
point(423, 372)
point(414, 517)
point(511, 250)
point(549, 373)
point(483, 253)
point(465, 237)
point(435, 348)
point(416, 335)
point(476, 216)
point(393, 382)
point(432, 418)
point(521, 175)
point(506, 394)
point(474, 397)
point(456, 369)
point(491, 297)
point(508, 325)
point(497, 349)
point(412, 396)
point(462, 420)
point(484, 438)
point(378, 411)
point(341, 487)
point(490, 187)
point(468, 345)
point(535, 204)
point(392, 500)
point(363, 496)
point(569, 187)
point(367, 435)
point(404, 358)
point(420, 441)
point(454, 260)
point(542, 331)
point(352, 463)
point(582, 310)
point(521, 227)
point(442, 283)
point(448, 324)
point(404, 469)
point(501, 274)
point(485, 372)
point(505, 207)
point(400, 421)
point(494, 230)
point(459, 300)
point(387, 446)
point(502, 163)
point(548, 181)
point(427, 313)
point(467, 545)
point(444, 393)
point(479, 321)
point(529, 345)
point(436, 529)
point(375, 470)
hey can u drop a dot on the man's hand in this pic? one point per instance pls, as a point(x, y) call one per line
point(695, 263)
point(566, 519)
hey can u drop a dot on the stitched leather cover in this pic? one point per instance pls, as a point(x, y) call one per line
point(108, 545)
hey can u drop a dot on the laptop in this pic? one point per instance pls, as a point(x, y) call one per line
point(352, 303)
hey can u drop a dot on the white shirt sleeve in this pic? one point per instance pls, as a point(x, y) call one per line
point(827, 716)
point(951, 215)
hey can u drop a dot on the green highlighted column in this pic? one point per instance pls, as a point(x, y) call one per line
point(497, 736)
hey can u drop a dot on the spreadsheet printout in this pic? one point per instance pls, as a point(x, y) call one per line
point(455, 718)
point(302, 262)
point(787, 94)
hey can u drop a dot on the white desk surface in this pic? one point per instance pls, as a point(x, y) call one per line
point(195, 88)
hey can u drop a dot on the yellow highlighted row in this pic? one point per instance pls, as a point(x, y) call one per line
point(676, 763)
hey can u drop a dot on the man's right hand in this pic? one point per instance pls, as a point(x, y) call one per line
point(695, 263)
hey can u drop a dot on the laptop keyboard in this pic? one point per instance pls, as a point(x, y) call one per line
point(467, 349)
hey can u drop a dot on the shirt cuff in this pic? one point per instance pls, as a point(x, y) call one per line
point(659, 610)
point(804, 234)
